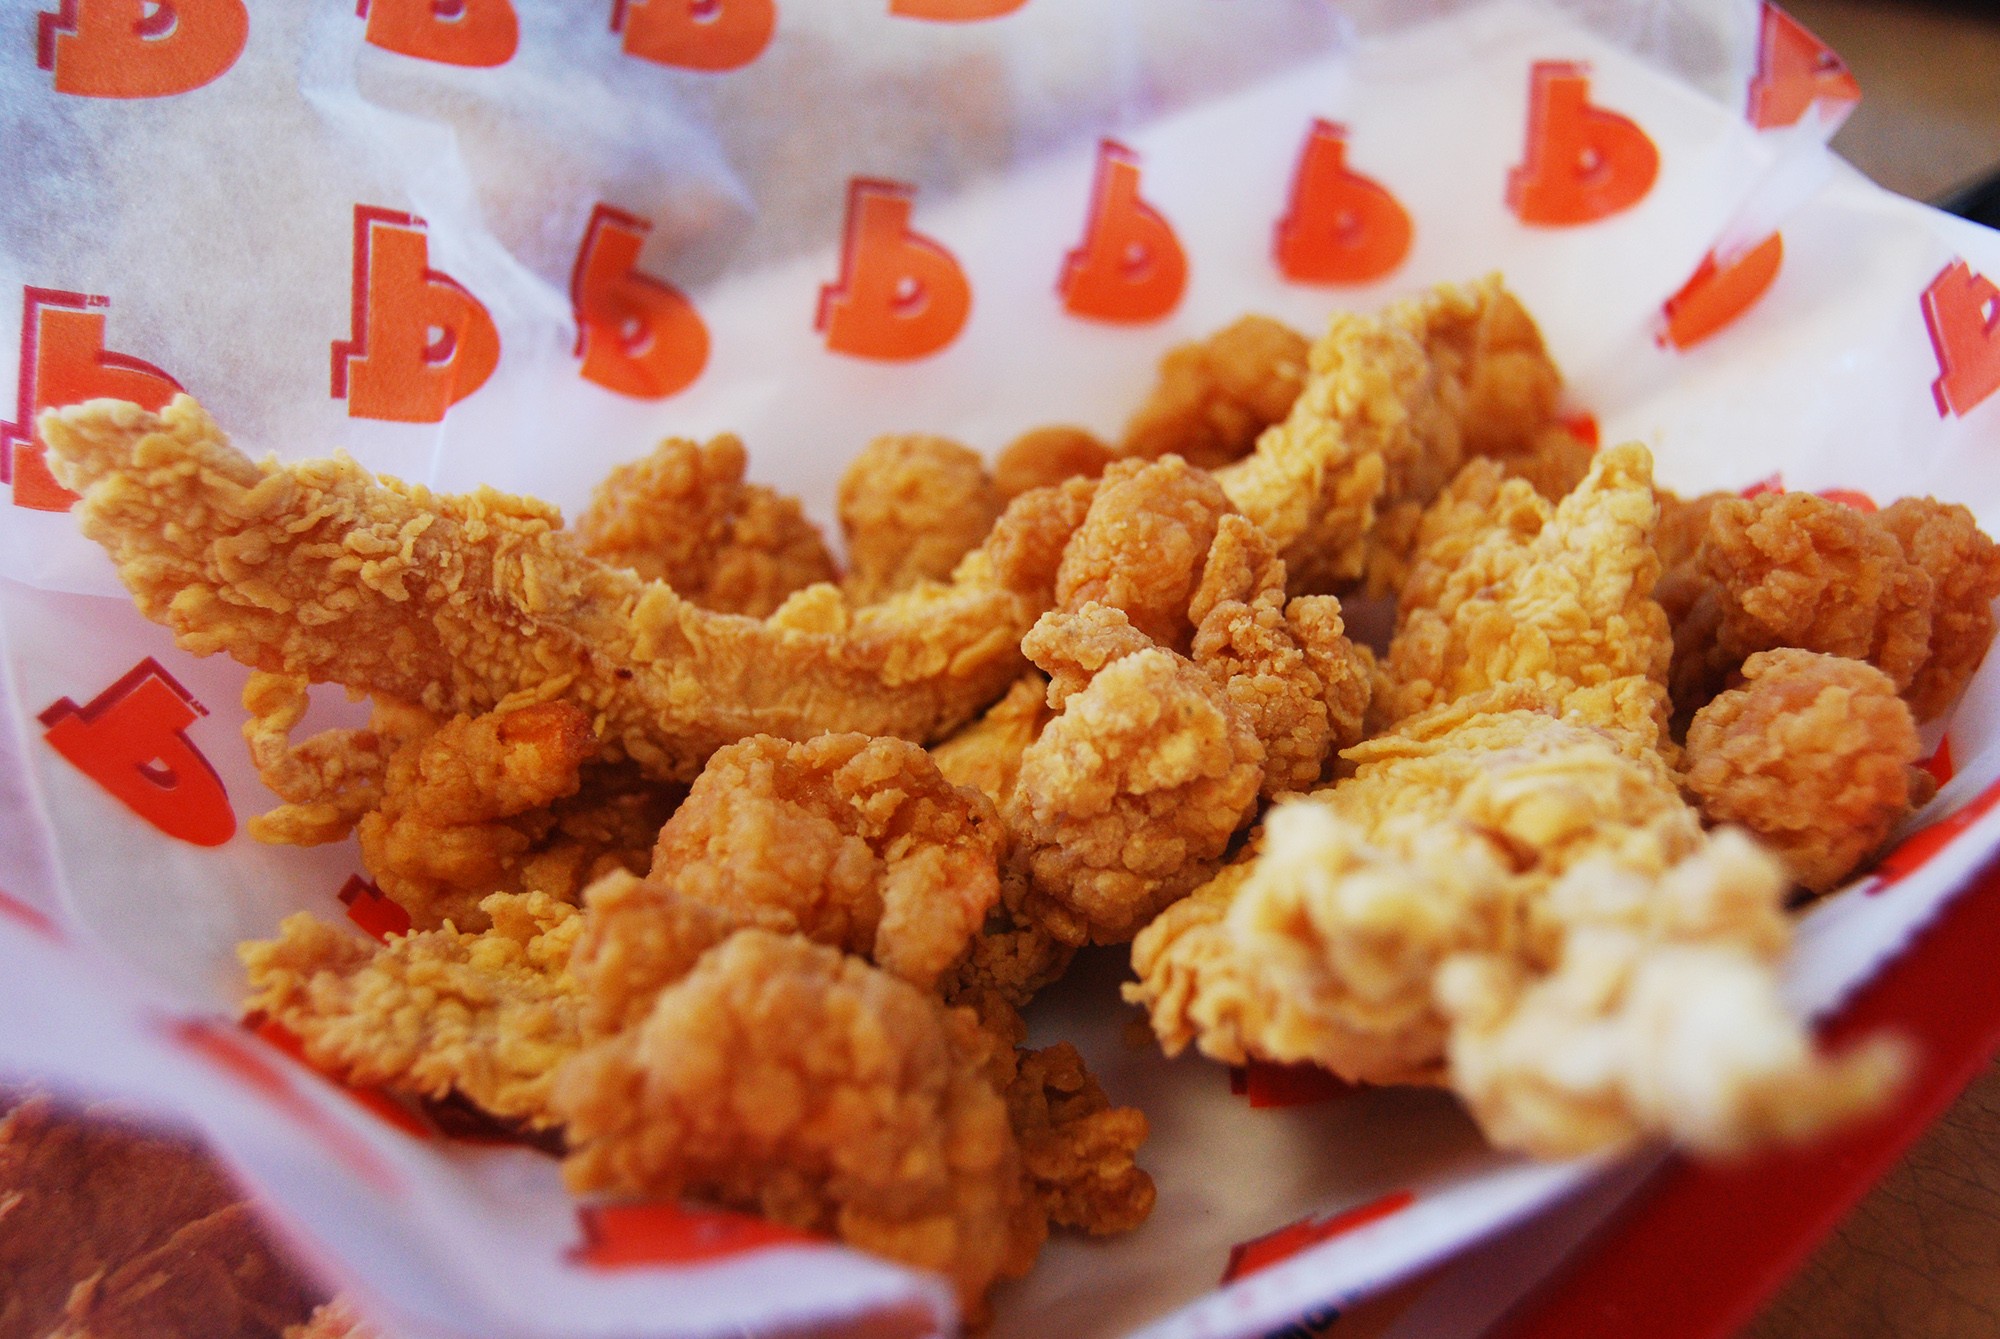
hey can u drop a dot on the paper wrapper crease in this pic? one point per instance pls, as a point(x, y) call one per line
point(519, 245)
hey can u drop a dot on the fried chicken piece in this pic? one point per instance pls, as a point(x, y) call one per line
point(1131, 795)
point(1410, 924)
point(1553, 462)
point(1077, 1148)
point(639, 936)
point(684, 515)
point(793, 1080)
point(114, 1231)
point(1813, 754)
point(1390, 408)
point(1012, 958)
point(986, 754)
point(910, 507)
point(1661, 1017)
point(1793, 569)
point(457, 603)
point(1216, 394)
point(329, 780)
point(1503, 587)
point(1964, 568)
point(511, 801)
point(489, 1015)
point(1142, 545)
point(1044, 457)
point(855, 842)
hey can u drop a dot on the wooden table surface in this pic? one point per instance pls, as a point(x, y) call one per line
point(1920, 1258)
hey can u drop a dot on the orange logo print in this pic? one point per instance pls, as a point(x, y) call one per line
point(1962, 313)
point(1715, 295)
point(420, 342)
point(452, 32)
point(140, 48)
point(636, 335)
point(1583, 163)
point(132, 740)
point(64, 361)
point(954, 11)
point(696, 34)
point(1794, 70)
point(1130, 267)
point(1263, 1252)
point(901, 295)
point(1342, 227)
point(619, 1235)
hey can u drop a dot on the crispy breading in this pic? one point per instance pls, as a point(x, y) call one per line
point(1909, 589)
point(788, 1078)
point(685, 516)
point(1553, 461)
point(1215, 395)
point(1131, 794)
point(1506, 588)
point(638, 937)
point(329, 780)
point(112, 1230)
point(910, 507)
point(489, 1015)
point(856, 842)
point(986, 754)
point(1077, 1148)
point(1964, 568)
point(1661, 1017)
point(457, 603)
point(506, 802)
point(1391, 407)
point(1142, 544)
point(1813, 754)
point(1043, 457)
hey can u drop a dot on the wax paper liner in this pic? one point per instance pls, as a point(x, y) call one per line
point(225, 238)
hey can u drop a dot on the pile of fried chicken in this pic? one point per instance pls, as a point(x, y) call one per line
point(735, 868)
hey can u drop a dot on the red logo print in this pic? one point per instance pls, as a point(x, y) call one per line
point(1794, 70)
point(375, 1101)
point(1916, 850)
point(1130, 268)
point(636, 335)
point(1272, 1085)
point(901, 295)
point(452, 32)
point(420, 342)
point(131, 739)
point(1715, 295)
point(63, 362)
point(696, 34)
point(1583, 163)
point(1267, 1250)
point(620, 1235)
point(140, 48)
point(373, 910)
point(954, 11)
point(1962, 313)
point(1341, 227)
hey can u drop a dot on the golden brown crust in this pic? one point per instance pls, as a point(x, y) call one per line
point(910, 507)
point(684, 515)
point(1215, 395)
point(1813, 754)
point(1044, 457)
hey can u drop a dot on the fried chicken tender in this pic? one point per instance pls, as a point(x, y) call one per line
point(1813, 754)
point(1390, 409)
point(109, 1230)
point(505, 802)
point(1077, 1148)
point(1503, 587)
point(329, 780)
point(684, 515)
point(457, 603)
point(910, 507)
point(1661, 1017)
point(1216, 394)
point(1142, 546)
point(489, 1015)
point(793, 1080)
point(1131, 795)
point(1908, 590)
point(1045, 457)
point(855, 842)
